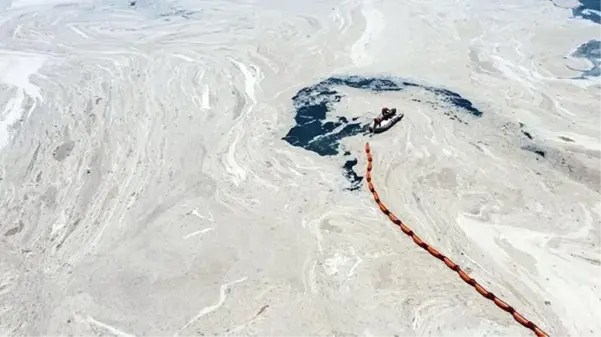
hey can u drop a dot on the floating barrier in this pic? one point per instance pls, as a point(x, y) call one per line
point(452, 265)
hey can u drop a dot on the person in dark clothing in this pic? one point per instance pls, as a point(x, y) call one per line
point(384, 115)
point(387, 113)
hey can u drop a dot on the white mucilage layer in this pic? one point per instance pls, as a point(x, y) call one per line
point(145, 188)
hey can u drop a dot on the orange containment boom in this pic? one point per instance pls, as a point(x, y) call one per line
point(452, 265)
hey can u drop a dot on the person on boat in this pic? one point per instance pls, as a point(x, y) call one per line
point(385, 120)
point(385, 115)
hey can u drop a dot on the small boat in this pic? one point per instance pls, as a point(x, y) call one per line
point(386, 124)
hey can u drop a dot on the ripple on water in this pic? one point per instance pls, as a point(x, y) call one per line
point(314, 133)
point(590, 51)
point(588, 10)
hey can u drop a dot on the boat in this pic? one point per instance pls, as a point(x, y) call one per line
point(386, 124)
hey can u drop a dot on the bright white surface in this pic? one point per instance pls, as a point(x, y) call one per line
point(146, 189)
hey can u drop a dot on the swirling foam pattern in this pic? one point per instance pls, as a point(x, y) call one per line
point(146, 187)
